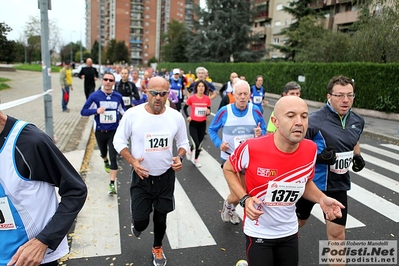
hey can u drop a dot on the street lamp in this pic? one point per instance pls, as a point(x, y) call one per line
point(81, 56)
point(70, 44)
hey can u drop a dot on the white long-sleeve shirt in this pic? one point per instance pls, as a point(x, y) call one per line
point(151, 137)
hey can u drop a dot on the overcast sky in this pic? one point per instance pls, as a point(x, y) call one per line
point(69, 15)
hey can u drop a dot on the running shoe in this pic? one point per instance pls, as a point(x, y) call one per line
point(197, 163)
point(111, 189)
point(107, 167)
point(135, 232)
point(159, 257)
point(188, 155)
point(234, 219)
point(225, 212)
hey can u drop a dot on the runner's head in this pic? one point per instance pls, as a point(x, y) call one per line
point(108, 81)
point(157, 92)
point(340, 94)
point(292, 88)
point(201, 87)
point(242, 94)
point(291, 120)
point(125, 75)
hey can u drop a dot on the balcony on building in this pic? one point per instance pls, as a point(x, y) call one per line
point(262, 31)
point(261, 2)
point(261, 16)
point(346, 17)
point(135, 2)
point(317, 4)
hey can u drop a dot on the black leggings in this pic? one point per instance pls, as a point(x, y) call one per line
point(104, 143)
point(197, 134)
point(159, 220)
point(277, 252)
point(89, 90)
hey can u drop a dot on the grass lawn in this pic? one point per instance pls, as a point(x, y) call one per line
point(35, 67)
point(3, 85)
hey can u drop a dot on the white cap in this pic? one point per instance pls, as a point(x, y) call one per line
point(176, 71)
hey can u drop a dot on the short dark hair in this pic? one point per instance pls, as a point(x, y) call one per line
point(292, 85)
point(67, 62)
point(341, 80)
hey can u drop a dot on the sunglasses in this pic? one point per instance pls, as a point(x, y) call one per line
point(110, 80)
point(156, 93)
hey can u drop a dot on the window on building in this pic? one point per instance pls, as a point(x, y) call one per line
point(146, 24)
point(276, 40)
point(274, 56)
point(277, 23)
point(285, 40)
point(147, 16)
point(287, 22)
point(279, 7)
point(146, 54)
point(146, 39)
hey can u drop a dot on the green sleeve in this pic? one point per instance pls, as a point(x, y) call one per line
point(270, 126)
point(62, 77)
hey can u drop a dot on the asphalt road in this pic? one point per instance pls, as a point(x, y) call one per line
point(203, 239)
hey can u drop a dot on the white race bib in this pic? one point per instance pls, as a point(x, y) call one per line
point(155, 142)
point(6, 219)
point(200, 111)
point(344, 160)
point(281, 194)
point(257, 99)
point(240, 139)
point(108, 117)
point(126, 100)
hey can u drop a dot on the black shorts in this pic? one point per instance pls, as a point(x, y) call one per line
point(152, 192)
point(279, 251)
point(304, 206)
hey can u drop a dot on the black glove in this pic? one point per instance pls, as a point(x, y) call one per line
point(358, 163)
point(327, 156)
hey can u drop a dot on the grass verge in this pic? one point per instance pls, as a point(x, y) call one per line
point(35, 67)
point(4, 85)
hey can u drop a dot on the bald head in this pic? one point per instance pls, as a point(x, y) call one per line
point(158, 83)
point(291, 120)
point(285, 104)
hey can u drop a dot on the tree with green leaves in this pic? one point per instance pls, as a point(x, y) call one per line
point(317, 44)
point(375, 35)
point(175, 43)
point(7, 47)
point(32, 33)
point(223, 33)
point(297, 9)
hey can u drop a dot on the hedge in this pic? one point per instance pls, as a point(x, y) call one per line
point(376, 85)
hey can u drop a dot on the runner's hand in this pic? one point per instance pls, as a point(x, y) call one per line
point(140, 171)
point(251, 212)
point(358, 163)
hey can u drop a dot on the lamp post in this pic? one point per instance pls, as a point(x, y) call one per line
point(81, 56)
point(70, 44)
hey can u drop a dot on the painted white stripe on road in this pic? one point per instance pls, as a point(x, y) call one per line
point(185, 227)
point(214, 174)
point(351, 222)
point(380, 151)
point(381, 163)
point(379, 179)
point(97, 231)
point(390, 146)
point(376, 203)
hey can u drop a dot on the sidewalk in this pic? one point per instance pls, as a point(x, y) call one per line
point(71, 130)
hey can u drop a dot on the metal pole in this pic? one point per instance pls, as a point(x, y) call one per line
point(46, 67)
point(81, 61)
point(99, 40)
point(70, 46)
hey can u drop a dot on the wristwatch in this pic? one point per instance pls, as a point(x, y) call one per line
point(181, 158)
point(243, 199)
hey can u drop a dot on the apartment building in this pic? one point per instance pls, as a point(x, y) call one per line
point(140, 23)
point(271, 19)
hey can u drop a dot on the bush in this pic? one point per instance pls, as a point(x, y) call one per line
point(376, 85)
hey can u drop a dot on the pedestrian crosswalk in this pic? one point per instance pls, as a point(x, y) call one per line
point(187, 229)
